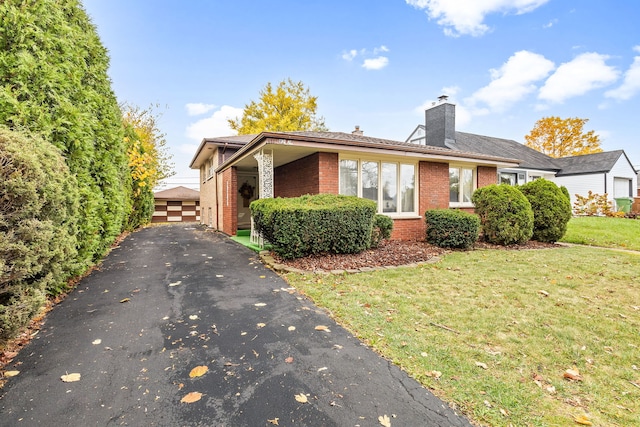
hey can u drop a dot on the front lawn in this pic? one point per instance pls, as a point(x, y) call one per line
point(603, 231)
point(495, 331)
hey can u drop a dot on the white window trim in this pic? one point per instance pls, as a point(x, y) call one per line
point(416, 190)
point(474, 170)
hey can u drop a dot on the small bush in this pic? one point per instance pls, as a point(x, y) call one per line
point(551, 209)
point(306, 225)
point(452, 228)
point(381, 230)
point(565, 191)
point(593, 205)
point(505, 214)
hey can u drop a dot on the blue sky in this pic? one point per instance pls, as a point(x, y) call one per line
point(378, 63)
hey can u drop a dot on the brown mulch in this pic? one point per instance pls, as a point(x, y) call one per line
point(389, 253)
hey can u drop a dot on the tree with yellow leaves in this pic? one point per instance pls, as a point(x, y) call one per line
point(149, 161)
point(558, 137)
point(289, 107)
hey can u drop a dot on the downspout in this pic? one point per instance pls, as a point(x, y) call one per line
point(605, 183)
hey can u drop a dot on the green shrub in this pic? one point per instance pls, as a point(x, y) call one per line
point(505, 214)
point(382, 228)
point(565, 191)
point(38, 213)
point(551, 209)
point(306, 225)
point(450, 228)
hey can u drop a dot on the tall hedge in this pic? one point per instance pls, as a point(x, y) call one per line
point(551, 209)
point(54, 83)
point(505, 214)
point(39, 204)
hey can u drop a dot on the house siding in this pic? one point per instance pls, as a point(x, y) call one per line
point(228, 205)
point(314, 174)
point(208, 194)
point(581, 184)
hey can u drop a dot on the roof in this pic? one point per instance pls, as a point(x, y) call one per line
point(338, 141)
point(233, 141)
point(590, 163)
point(491, 146)
point(177, 193)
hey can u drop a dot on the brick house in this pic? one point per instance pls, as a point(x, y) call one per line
point(404, 179)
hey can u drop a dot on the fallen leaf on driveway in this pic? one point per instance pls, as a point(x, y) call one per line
point(198, 371)
point(193, 317)
point(384, 420)
point(260, 325)
point(322, 328)
point(259, 304)
point(9, 374)
point(175, 283)
point(70, 378)
point(291, 328)
point(288, 360)
point(124, 300)
point(274, 421)
point(302, 398)
point(96, 342)
point(194, 396)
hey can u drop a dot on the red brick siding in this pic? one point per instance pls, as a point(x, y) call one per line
point(487, 176)
point(228, 203)
point(314, 174)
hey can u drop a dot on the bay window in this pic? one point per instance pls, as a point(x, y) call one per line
point(391, 185)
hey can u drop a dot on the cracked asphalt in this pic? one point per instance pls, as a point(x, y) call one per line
point(170, 298)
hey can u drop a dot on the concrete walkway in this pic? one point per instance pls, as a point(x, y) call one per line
point(172, 298)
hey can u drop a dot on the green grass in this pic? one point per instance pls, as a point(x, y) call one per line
point(441, 322)
point(603, 231)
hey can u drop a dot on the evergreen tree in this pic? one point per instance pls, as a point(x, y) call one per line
point(54, 83)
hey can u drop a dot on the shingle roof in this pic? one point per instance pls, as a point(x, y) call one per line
point(529, 158)
point(233, 139)
point(177, 193)
point(589, 163)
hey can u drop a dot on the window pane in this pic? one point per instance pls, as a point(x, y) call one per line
point(407, 185)
point(349, 177)
point(454, 185)
point(507, 178)
point(370, 180)
point(389, 187)
point(467, 185)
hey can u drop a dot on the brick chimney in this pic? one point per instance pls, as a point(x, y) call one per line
point(440, 123)
point(357, 131)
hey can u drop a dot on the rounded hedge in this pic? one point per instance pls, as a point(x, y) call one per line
point(551, 209)
point(451, 228)
point(505, 214)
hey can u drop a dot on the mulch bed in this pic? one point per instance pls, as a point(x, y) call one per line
point(389, 253)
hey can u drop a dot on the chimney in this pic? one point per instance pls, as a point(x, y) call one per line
point(440, 123)
point(357, 131)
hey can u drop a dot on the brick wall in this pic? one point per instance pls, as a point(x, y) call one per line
point(228, 206)
point(487, 176)
point(314, 174)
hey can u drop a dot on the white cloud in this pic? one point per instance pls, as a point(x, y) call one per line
point(631, 84)
point(382, 48)
point(375, 63)
point(584, 73)
point(197, 109)
point(464, 17)
point(215, 125)
point(349, 55)
point(512, 81)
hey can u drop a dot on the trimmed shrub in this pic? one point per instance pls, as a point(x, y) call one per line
point(551, 209)
point(565, 191)
point(505, 214)
point(450, 228)
point(381, 230)
point(38, 211)
point(306, 225)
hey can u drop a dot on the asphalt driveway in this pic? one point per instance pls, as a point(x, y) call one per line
point(172, 298)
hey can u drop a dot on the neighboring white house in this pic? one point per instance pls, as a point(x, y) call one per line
point(608, 172)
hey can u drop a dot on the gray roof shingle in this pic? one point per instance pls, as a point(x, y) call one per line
point(588, 163)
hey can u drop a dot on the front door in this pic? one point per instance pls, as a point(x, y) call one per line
point(247, 193)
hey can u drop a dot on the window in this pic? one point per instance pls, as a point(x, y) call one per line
point(391, 185)
point(210, 167)
point(461, 185)
point(508, 178)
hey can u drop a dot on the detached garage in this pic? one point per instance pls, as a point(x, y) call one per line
point(179, 204)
